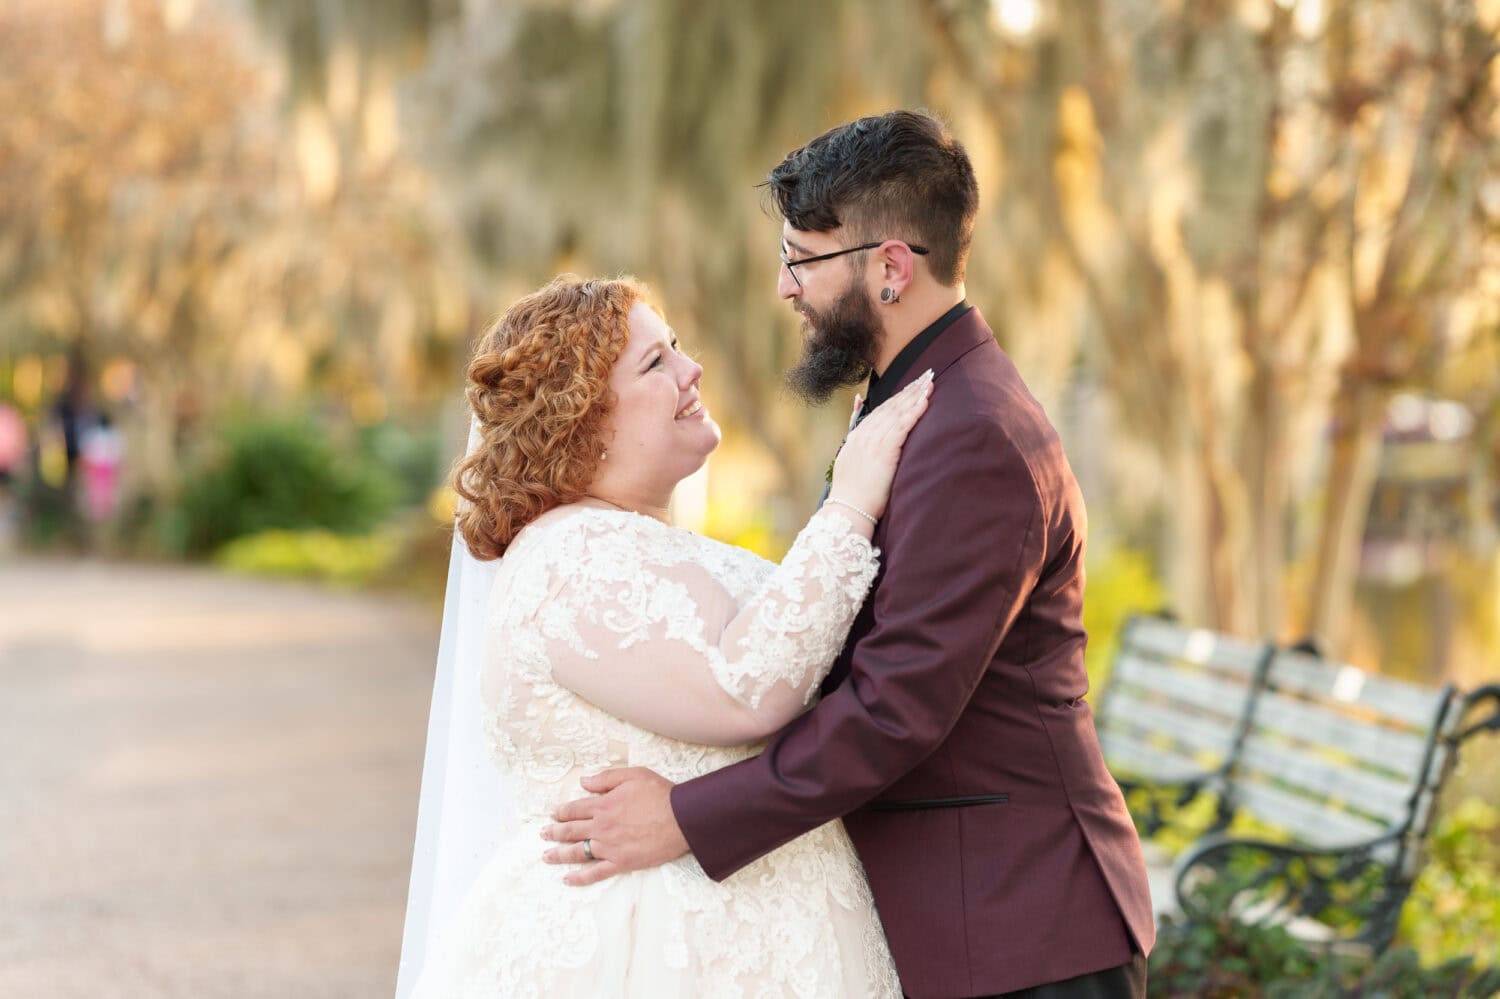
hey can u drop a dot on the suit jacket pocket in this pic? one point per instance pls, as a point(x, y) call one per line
point(925, 804)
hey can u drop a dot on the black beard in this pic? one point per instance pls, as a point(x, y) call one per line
point(839, 350)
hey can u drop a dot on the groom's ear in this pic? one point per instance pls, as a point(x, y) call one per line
point(897, 266)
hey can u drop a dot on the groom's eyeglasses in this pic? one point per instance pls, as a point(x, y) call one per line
point(792, 265)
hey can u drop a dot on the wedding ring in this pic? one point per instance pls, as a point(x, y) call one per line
point(588, 849)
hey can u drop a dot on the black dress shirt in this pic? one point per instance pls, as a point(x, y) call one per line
point(883, 386)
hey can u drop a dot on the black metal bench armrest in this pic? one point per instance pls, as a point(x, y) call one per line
point(1347, 887)
point(1472, 700)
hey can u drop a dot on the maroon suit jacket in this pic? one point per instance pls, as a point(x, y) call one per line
point(962, 678)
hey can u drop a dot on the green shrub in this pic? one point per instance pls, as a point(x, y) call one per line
point(1120, 583)
point(413, 458)
point(1225, 958)
point(408, 553)
point(278, 474)
point(48, 515)
point(1454, 907)
point(1179, 824)
point(340, 559)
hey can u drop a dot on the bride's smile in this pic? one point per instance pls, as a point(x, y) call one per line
point(660, 432)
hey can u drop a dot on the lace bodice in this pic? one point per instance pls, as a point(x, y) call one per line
point(616, 640)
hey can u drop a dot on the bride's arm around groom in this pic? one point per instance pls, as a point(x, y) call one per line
point(653, 639)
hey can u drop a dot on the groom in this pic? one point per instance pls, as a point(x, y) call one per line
point(952, 736)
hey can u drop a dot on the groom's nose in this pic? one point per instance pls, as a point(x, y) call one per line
point(786, 285)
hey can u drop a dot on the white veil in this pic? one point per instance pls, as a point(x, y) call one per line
point(464, 810)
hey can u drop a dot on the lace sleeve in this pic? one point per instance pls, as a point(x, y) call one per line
point(791, 631)
point(651, 636)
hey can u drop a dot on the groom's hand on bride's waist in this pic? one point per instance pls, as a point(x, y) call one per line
point(626, 824)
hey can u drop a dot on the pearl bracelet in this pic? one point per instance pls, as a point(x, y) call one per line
point(851, 506)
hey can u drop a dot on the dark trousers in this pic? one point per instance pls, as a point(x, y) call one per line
point(1128, 981)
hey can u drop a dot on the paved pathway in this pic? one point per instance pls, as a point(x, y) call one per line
point(208, 784)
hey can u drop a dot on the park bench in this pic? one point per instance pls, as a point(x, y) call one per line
point(1173, 715)
point(1337, 771)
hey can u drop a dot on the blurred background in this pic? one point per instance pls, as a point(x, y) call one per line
point(1246, 252)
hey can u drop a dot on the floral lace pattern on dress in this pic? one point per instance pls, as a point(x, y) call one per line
point(629, 597)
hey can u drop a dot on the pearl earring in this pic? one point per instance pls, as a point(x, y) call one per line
point(604, 456)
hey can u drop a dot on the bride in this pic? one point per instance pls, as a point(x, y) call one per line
point(605, 637)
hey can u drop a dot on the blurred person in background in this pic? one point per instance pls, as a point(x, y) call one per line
point(71, 415)
point(13, 449)
point(100, 455)
point(606, 637)
point(952, 736)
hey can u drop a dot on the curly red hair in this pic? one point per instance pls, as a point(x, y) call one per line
point(539, 389)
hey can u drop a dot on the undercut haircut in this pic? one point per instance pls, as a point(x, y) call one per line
point(900, 175)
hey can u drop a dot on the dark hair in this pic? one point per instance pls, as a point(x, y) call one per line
point(899, 175)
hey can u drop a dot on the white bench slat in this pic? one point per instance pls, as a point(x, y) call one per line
point(1387, 749)
point(1311, 822)
point(1409, 703)
point(1171, 641)
point(1131, 756)
point(1199, 688)
point(1360, 790)
point(1211, 733)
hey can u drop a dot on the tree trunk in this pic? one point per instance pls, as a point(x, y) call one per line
point(1226, 532)
point(1265, 464)
point(1184, 538)
point(152, 465)
point(1359, 417)
point(1203, 535)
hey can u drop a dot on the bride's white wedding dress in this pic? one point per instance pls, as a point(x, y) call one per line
point(615, 640)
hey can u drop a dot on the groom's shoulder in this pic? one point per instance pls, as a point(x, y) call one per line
point(982, 413)
point(983, 392)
